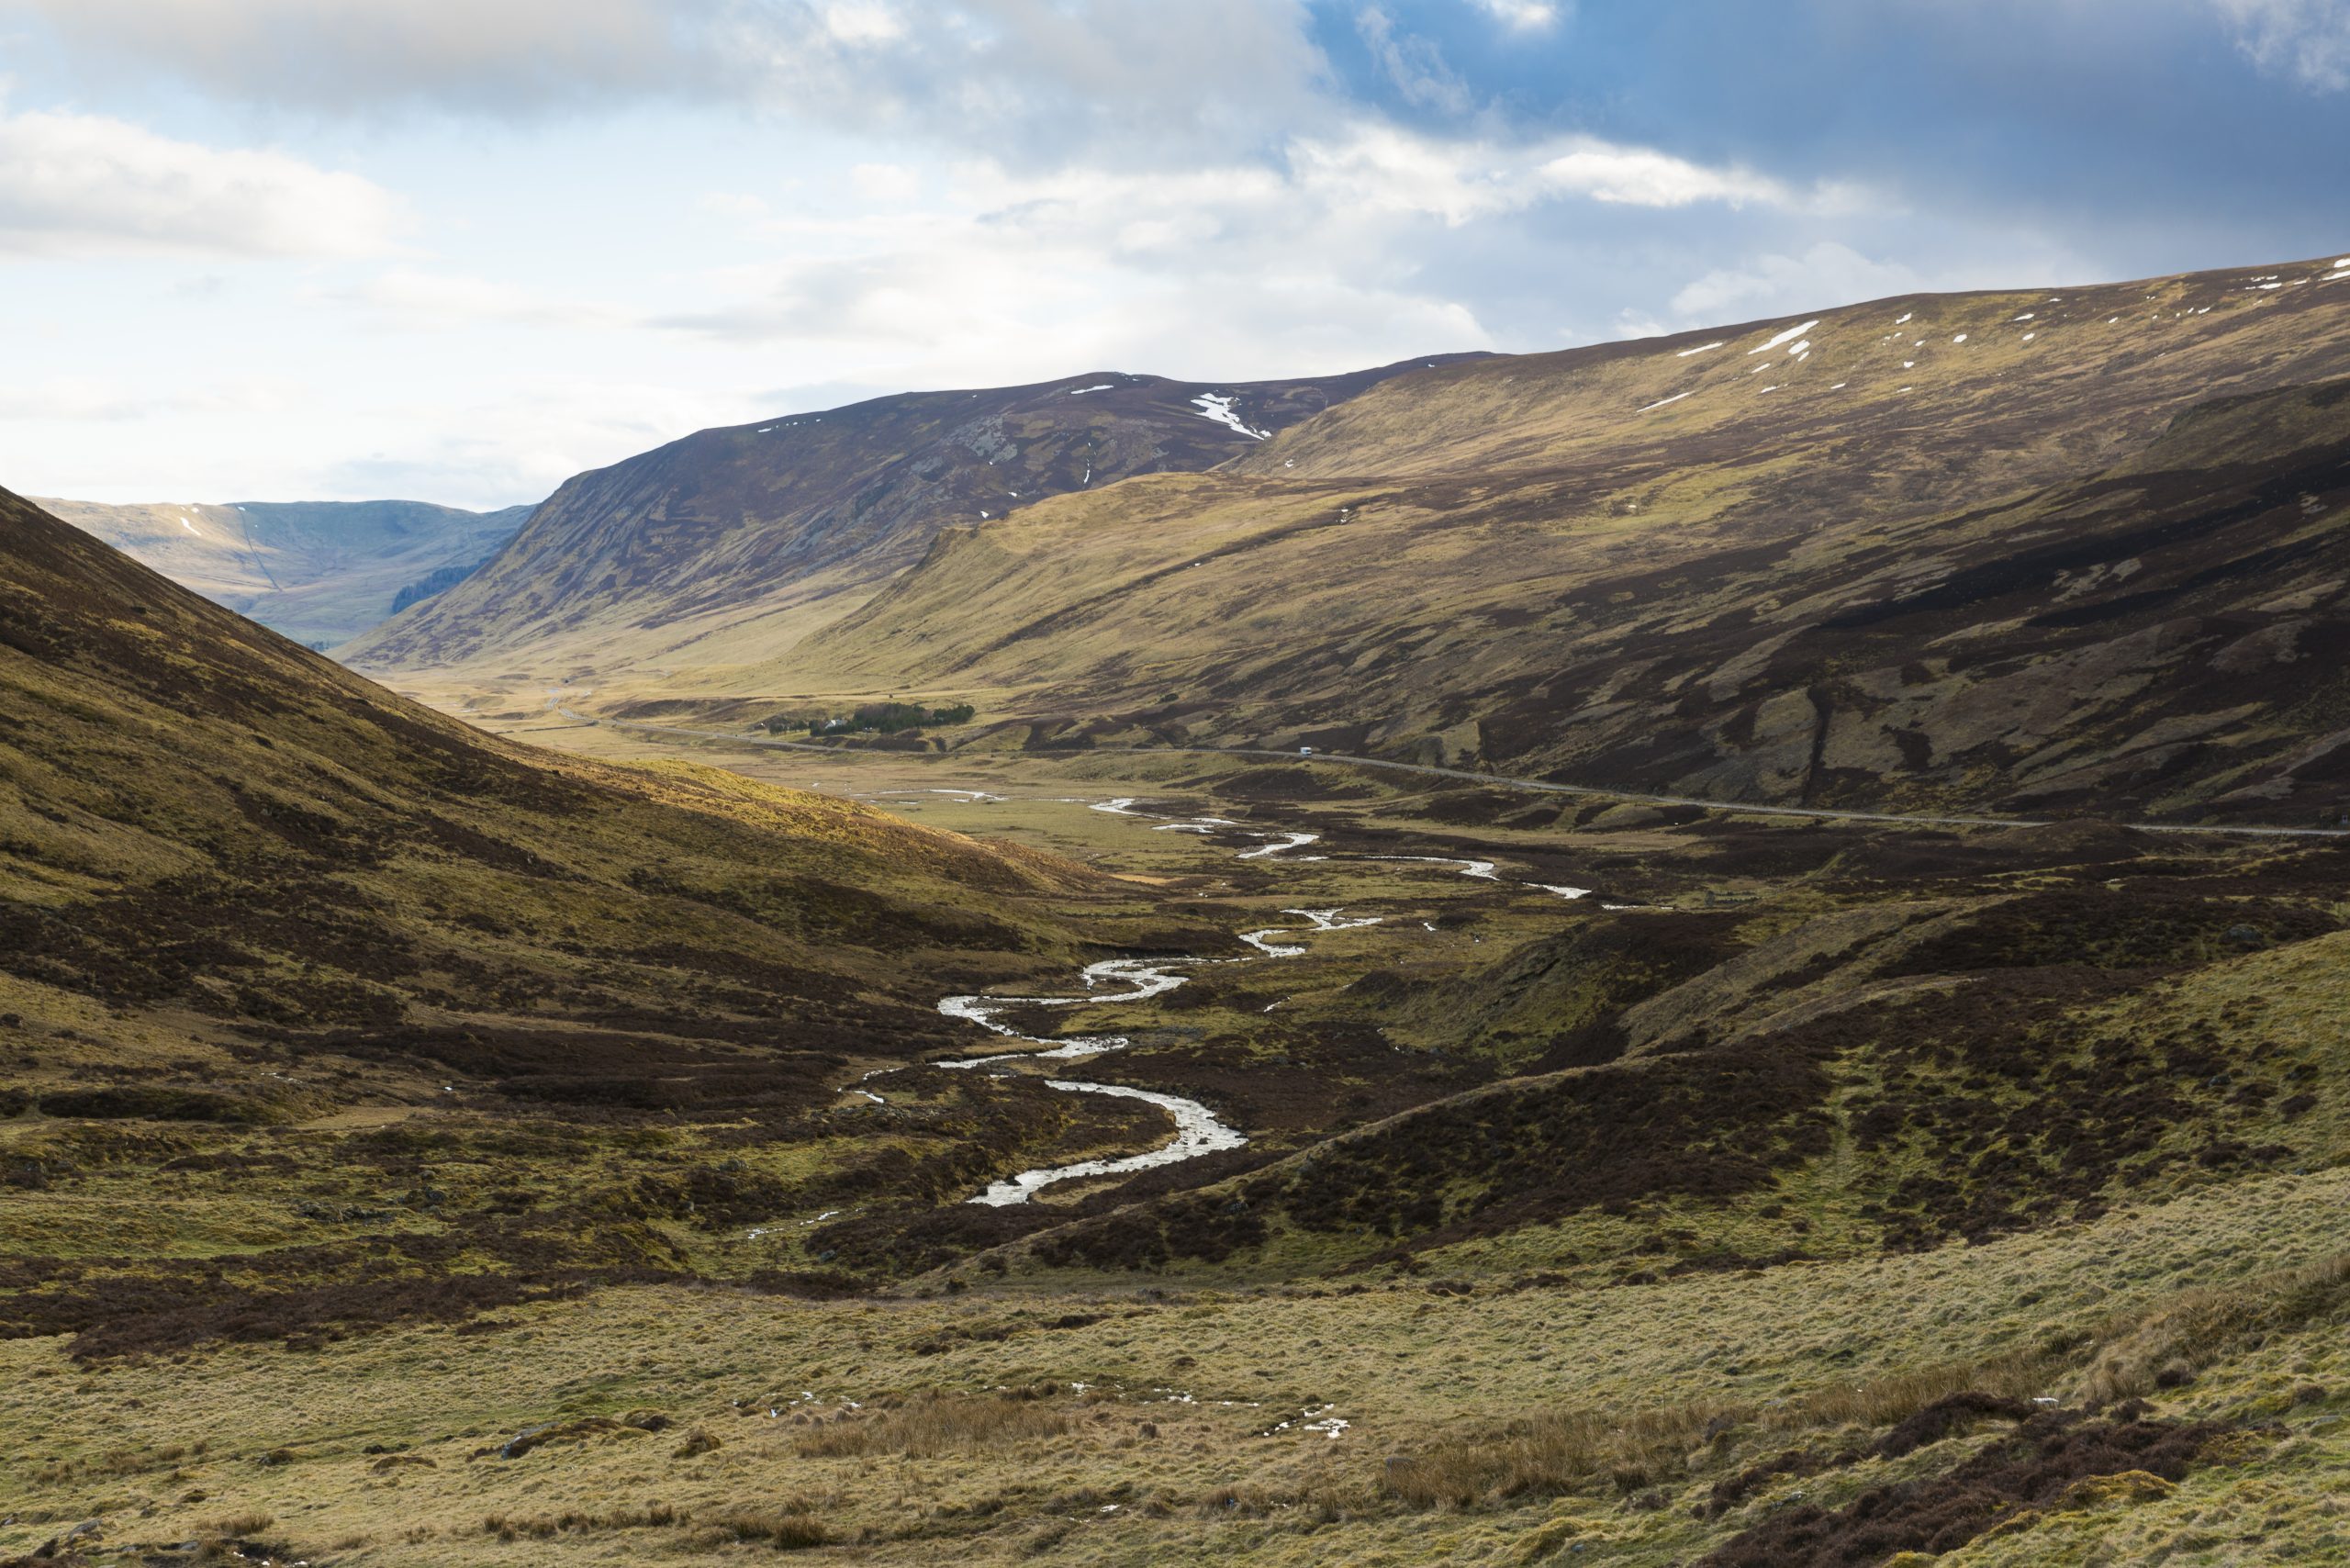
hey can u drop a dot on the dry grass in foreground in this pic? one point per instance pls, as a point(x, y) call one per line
point(940, 1424)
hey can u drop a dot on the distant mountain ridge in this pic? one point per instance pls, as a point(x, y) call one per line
point(320, 572)
point(723, 545)
point(2071, 550)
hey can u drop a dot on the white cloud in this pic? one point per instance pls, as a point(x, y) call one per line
point(1413, 65)
point(854, 23)
point(1222, 270)
point(503, 56)
point(413, 297)
point(1641, 176)
point(739, 204)
point(1385, 167)
point(1524, 16)
point(81, 185)
point(90, 400)
point(517, 444)
point(1036, 79)
point(1827, 273)
point(1307, 263)
point(884, 182)
point(2308, 39)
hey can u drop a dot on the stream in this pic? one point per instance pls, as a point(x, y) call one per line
point(1198, 1130)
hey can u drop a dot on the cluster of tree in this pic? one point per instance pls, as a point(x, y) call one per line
point(884, 718)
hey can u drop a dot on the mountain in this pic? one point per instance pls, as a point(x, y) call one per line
point(2075, 550)
point(241, 888)
point(419, 1147)
point(731, 544)
point(320, 572)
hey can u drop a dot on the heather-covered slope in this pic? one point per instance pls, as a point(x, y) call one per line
point(728, 545)
point(200, 815)
point(320, 572)
point(241, 887)
point(2065, 550)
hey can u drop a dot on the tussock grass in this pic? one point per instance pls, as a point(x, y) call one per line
point(1579, 1449)
point(786, 1530)
point(546, 1526)
point(251, 1522)
point(2129, 1357)
point(940, 1424)
point(2166, 1348)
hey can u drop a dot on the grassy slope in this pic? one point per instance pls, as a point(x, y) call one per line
point(423, 1005)
point(1645, 1233)
point(731, 545)
point(2065, 573)
point(1622, 1363)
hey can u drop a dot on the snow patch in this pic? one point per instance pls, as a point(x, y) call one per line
point(1790, 335)
point(1663, 401)
point(1217, 405)
point(1701, 348)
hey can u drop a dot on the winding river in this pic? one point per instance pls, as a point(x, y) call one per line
point(1198, 1130)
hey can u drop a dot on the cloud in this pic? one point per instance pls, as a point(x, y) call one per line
point(1827, 273)
point(1641, 176)
point(413, 297)
point(1413, 65)
point(1040, 80)
point(1521, 15)
point(505, 57)
point(1386, 168)
point(517, 444)
point(89, 399)
point(2308, 39)
point(1349, 248)
point(886, 182)
point(84, 184)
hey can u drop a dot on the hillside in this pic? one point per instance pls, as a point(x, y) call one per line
point(319, 572)
point(731, 544)
point(244, 894)
point(420, 1147)
point(2071, 550)
point(1805, 1192)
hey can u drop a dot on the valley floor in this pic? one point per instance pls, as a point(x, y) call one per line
point(1092, 1422)
point(1819, 1357)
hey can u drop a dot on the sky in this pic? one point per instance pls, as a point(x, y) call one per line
point(459, 249)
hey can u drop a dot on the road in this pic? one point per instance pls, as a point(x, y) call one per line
point(1530, 785)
